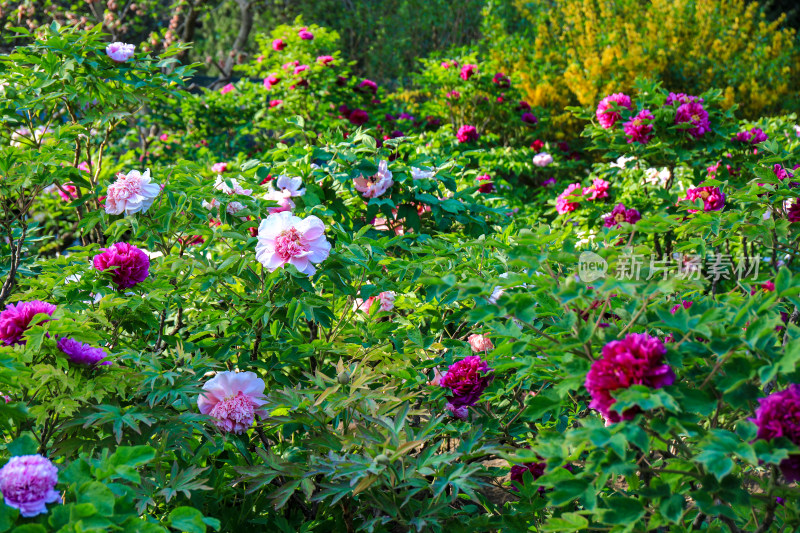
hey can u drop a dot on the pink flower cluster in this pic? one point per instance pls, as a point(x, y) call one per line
point(28, 483)
point(640, 128)
point(386, 299)
point(466, 379)
point(608, 109)
point(467, 133)
point(486, 186)
point(130, 265)
point(16, 319)
point(635, 360)
point(233, 399)
point(467, 71)
point(713, 198)
point(621, 214)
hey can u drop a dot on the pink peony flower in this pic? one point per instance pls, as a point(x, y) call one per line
point(28, 483)
point(132, 266)
point(219, 168)
point(619, 215)
point(16, 319)
point(290, 186)
point(271, 80)
point(598, 189)
point(480, 343)
point(543, 159)
point(385, 298)
point(467, 71)
point(221, 184)
point(640, 128)
point(767, 286)
point(608, 109)
point(754, 136)
point(778, 415)
point(325, 60)
point(501, 80)
point(419, 174)
point(290, 65)
point(454, 95)
point(462, 413)
point(80, 353)
point(299, 69)
point(466, 379)
point(305, 34)
point(284, 202)
point(376, 185)
point(635, 360)
point(284, 238)
point(686, 304)
point(794, 212)
point(120, 52)
point(487, 187)
point(131, 193)
point(84, 166)
point(67, 192)
point(275, 103)
point(563, 205)
point(278, 45)
point(368, 86)
point(233, 399)
point(358, 117)
point(529, 118)
point(228, 88)
point(467, 133)
point(693, 113)
point(713, 198)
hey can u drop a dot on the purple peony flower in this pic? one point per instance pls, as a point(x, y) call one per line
point(713, 198)
point(778, 415)
point(607, 116)
point(467, 133)
point(794, 212)
point(28, 483)
point(620, 214)
point(132, 264)
point(529, 118)
point(681, 98)
point(754, 136)
point(518, 471)
point(462, 413)
point(501, 80)
point(466, 380)
point(16, 319)
point(640, 128)
point(358, 117)
point(693, 113)
point(635, 360)
point(80, 353)
point(368, 86)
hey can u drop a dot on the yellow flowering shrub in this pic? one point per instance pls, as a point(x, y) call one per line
point(574, 52)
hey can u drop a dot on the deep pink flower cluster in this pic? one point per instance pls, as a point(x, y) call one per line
point(713, 198)
point(607, 116)
point(305, 34)
point(467, 71)
point(778, 415)
point(681, 98)
point(271, 80)
point(358, 117)
point(488, 186)
point(368, 86)
point(563, 202)
point(80, 353)
point(325, 60)
point(598, 189)
point(640, 128)
point(16, 319)
point(278, 45)
point(686, 304)
point(635, 360)
point(28, 483)
point(132, 264)
point(467, 133)
point(693, 113)
point(466, 379)
point(501, 80)
point(621, 214)
point(754, 136)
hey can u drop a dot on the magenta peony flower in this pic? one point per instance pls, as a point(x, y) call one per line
point(563, 205)
point(501, 80)
point(487, 187)
point(518, 472)
point(233, 399)
point(480, 343)
point(275, 103)
point(467, 133)
point(467, 71)
point(305, 34)
point(543, 159)
point(299, 69)
point(713, 198)
point(693, 113)
point(454, 95)
point(80, 353)
point(131, 193)
point(325, 60)
point(778, 415)
point(16, 319)
point(620, 214)
point(228, 88)
point(358, 117)
point(607, 113)
point(466, 379)
point(598, 189)
point(635, 360)
point(462, 413)
point(681, 98)
point(686, 304)
point(278, 45)
point(639, 128)
point(284, 238)
point(132, 264)
point(120, 52)
point(529, 118)
point(523, 106)
point(28, 483)
point(368, 86)
point(376, 185)
point(271, 80)
point(754, 136)
point(68, 192)
point(794, 212)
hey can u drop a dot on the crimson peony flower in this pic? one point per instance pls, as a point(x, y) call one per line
point(693, 113)
point(537, 145)
point(81, 353)
point(233, 399)
point(639, 128)
point(467, 71)
point(286, 239)
point(28, 483)
point(131, 265)
point(523, 106)
point(278, 45)
point(358, 117)
point(466, 379)
point(563, 204)
point(487, 187)
point(794, 212)
point(467, 133)
point(778, 415)
point(635, 360)
point(607, 115)
point(713, 198)
point(275, 103)
point(518, 472)
point(16, 319)
point(620, 214)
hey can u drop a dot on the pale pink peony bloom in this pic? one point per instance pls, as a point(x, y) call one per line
point(233, 399)
point(120, 52)
point(234, 207)
point(284, 238)
point(131, 193)
point(284, 202)
point(219, 168)
point(234, 188)
point(211, 205)
point(543, 159)
point(290, 186)
point(385, 298)
point(419, 174)
point(480, 343)
point(28, 483)
point(376, 185)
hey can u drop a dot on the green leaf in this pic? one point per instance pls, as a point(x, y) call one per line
point(187, 519)
point(98, 494)
point(672, 507)
point(23, 445)
point(8, 515)
point(622, 510)
point(566, 522)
